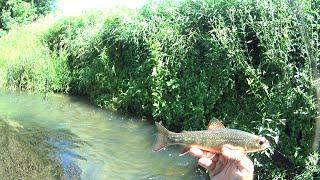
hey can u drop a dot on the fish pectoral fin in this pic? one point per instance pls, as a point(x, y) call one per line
point(215, 124)
point(236, 148)
point(185, 150)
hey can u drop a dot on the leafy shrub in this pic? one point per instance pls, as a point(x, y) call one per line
point(49, 76)
point(25, 63)
point(17, 12)
point(248, 63)
point(76, 37)
point(14, 12)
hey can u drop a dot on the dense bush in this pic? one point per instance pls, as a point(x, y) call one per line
point(248, 63)
point(14, 12)
point(25, 63)
point(39, 75)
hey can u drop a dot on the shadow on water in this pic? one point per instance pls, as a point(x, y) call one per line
point(34, 152)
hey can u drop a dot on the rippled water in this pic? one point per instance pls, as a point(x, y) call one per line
point(118, 147)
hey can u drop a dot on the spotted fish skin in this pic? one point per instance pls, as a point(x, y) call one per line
point(212, 139)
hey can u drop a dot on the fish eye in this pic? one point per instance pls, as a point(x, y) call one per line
point(261, 142)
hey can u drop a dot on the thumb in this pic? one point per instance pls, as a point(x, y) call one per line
point(243, 161)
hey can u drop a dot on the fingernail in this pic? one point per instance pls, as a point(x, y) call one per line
point(205, 162)
point(196, 151)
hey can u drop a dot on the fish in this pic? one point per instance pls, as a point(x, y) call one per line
point(212, 139)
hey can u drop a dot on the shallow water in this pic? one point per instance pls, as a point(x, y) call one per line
point(118, 147)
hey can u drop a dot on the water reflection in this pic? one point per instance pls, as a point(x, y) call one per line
point(114, 146)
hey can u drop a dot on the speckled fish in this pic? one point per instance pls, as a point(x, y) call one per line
point(212, 139)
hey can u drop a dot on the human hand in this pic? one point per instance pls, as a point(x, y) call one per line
point(230, 164)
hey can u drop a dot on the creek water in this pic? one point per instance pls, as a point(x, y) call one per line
point(117, 147)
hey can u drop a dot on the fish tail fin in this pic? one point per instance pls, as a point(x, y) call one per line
point(162, 137)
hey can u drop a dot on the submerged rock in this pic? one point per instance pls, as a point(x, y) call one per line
point(36, 153)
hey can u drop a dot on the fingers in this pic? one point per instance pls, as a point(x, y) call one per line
point(232, 154)
point(206, 159)
point(215, 163)
point(200, 153)
point(243, 161)
point(240, 164)
point(246, 164)
point(196, 152)
point(205, 162)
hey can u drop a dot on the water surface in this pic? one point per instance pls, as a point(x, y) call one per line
point(117, 147)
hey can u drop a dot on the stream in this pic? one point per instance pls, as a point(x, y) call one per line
point(116, 146)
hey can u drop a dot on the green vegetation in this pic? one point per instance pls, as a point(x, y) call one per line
point(24, 62)
point(29, 152)
point(248, 63)
point(15, 12)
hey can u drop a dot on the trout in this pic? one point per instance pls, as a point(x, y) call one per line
point(212, 139)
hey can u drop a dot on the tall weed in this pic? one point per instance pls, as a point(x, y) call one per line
point(25, 63)
point(248, 63)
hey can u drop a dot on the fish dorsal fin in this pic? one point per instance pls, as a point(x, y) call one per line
point(215, 124)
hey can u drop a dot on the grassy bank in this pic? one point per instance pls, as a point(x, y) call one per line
point(26, 63)
point(247, 63)
point(31, 152)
